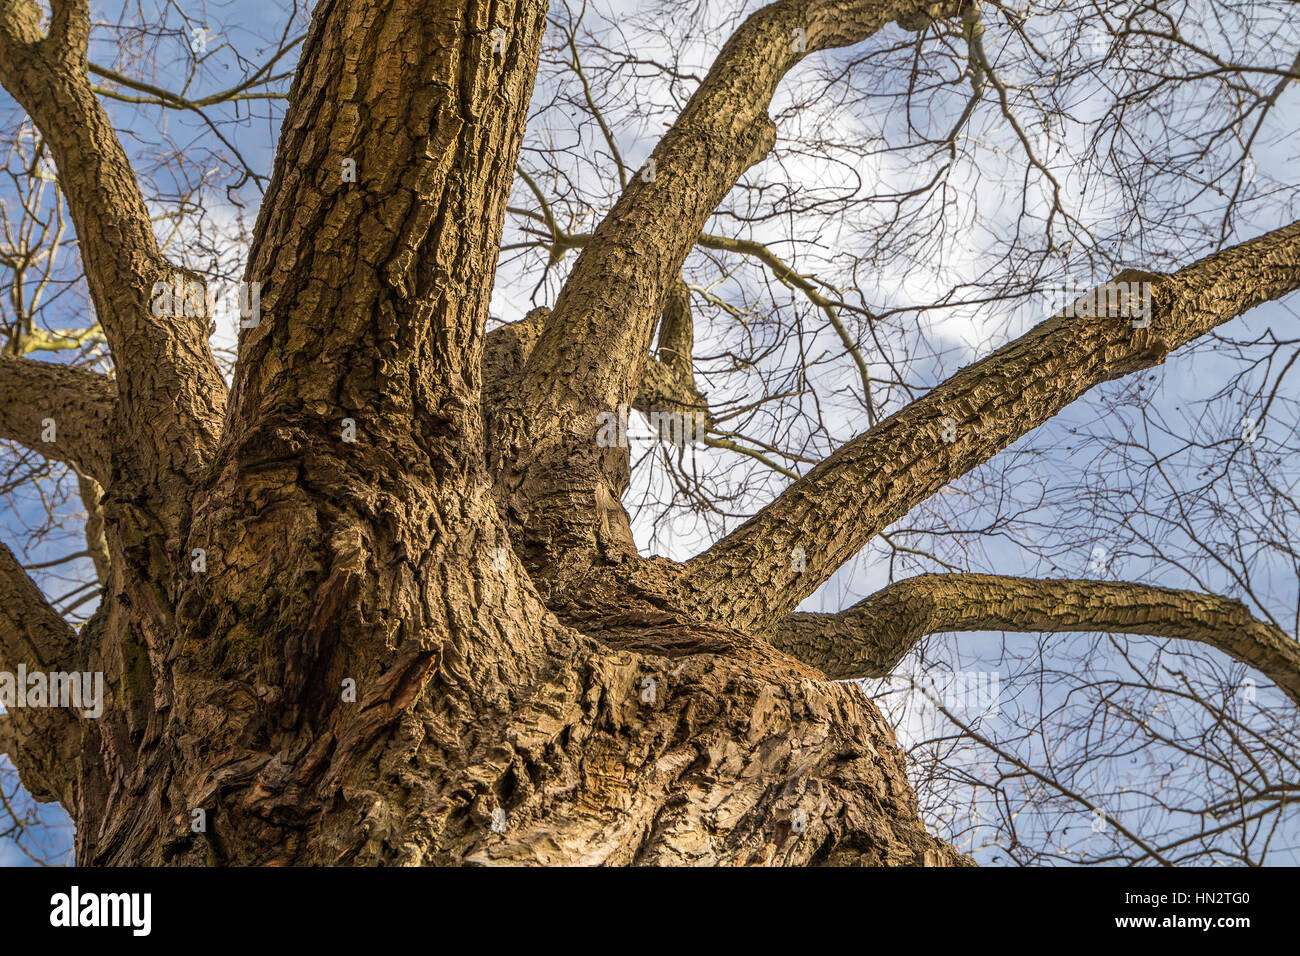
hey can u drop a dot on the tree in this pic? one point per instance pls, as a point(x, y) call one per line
point(379, 601)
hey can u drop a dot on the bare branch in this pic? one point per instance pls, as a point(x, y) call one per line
point(592, 354)
point(62, 412)
point(870, 638)
point(760, 572)
point(596, 341)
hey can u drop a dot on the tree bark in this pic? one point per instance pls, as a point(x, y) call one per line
point(870, 638)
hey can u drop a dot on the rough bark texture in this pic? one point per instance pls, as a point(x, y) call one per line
point(393, 501)
point(78, 404)
point(870, 638)
point(875, 479)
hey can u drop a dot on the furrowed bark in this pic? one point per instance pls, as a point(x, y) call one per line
point(429, 224)
point(60, 411)
point(871, 637)
point(557, 544)
point(349, 529)
point(760, 572)
point(667, 382)
point(41, 741)
point(364, 371)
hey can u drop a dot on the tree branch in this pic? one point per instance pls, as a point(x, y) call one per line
point(667, 383)
point(63, 412)
point(170, 390)
point(41, 741)
point(70, 27)
point(870, 638)
point(762, 570)
point(598, 336)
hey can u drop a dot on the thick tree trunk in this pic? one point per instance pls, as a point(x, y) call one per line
point(599, 755)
